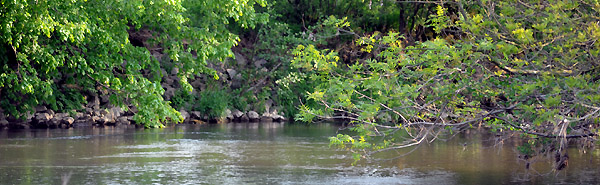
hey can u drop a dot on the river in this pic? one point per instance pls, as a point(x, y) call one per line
point(263, 153)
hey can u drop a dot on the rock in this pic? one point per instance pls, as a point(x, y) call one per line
point(244, 118)
point(104, 99)
point(61, 115)
point(253, 116)
point(89, 110)
point(266, 117)
point(196, 115)
point(3, 122)
point(29, 116)
point(240, 59)
point(95, 118)
point(268, 105)
point(67, 120)
point(228, 114)
point(169, 93)
point(184, 114)
point(96, 113)
point(174, 71)
point(54, 123)
point(95, 104)
point(232, 73)
point(169, 81)
point(163, 73)
point(104, 121)
point(114, 113)
point(51, 112)
point(42, 117)
point(123, 120)
point(237, 114)
point(259, 62)
point(196, 121)
point(84, 117)
point(278, 118)
point(264, 70)
point(197, 83)
point(41, 108)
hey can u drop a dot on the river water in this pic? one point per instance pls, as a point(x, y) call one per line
point(263, 153)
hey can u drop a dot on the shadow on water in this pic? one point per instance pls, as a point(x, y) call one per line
point(261, 153)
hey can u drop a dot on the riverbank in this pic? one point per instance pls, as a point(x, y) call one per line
point(115, 116)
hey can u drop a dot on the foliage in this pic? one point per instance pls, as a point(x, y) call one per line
point(213, 103)
point(182, 100)
point(87, 43)
point(534, 73)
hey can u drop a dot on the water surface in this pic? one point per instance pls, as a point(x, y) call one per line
point(262, 153)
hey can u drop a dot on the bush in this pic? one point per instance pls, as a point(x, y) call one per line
point(213, 103)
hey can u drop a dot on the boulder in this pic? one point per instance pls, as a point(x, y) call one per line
point(123, 120)
point(89, 110)
point(67, 120)
point(240, 59)
point(54, 123)
point(164, 73)
point(41, 108)
point(104, 121)
point(42, 117)
point(266, 117)
point(237, 114)
point(169, 93)
point(268, 105)
point(96, 113)
point(169, 81)
point(259, 62)
point(231, 73)
point(95, 119)
point(228, 114)
point(244, 118)
point(61, 115)
point(196, 114)
point(184, 114)
point(86, 117)
point(174, 71)
point(264, 70)
point(114, 113)
point(3, 122)
point(278, 118)
point(29, 116)
point(104, 99)
point(197, 83)
point(253, 116)
point(95, 104)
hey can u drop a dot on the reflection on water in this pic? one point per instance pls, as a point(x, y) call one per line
point(260, 153)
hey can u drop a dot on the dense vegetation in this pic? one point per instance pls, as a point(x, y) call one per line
point(57, 53)
point(402, 72)
point(530, 67)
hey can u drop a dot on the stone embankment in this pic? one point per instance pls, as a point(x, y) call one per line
point(115, 116)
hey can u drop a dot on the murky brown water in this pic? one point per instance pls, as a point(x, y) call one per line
point(260, 153)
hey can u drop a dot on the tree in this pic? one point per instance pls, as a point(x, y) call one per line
point(55, 52)
point(534, 73)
